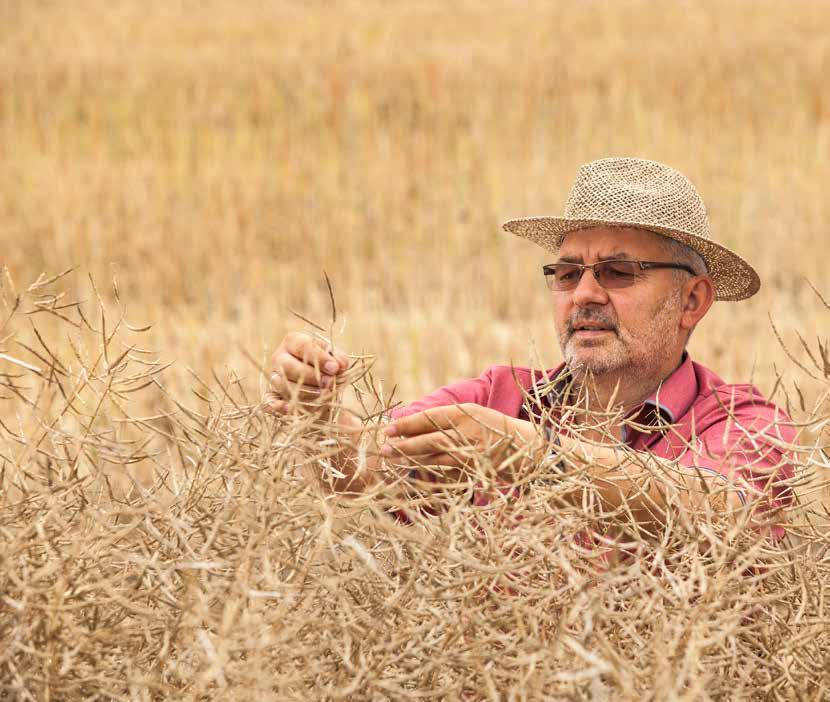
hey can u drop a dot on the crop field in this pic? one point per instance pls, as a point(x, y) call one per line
point(179, 180)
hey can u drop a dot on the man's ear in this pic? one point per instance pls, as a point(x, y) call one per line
point(698, 296)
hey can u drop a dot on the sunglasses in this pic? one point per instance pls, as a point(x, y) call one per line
point(608, 274)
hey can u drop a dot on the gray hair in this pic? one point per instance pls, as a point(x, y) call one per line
point(679, 252)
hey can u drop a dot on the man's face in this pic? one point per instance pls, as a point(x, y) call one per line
point(634, 329)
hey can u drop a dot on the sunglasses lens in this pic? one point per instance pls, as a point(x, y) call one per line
point(616, 274)
point(609, 274)
point(563, 276)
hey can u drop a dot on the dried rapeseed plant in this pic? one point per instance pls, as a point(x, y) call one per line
point(156, 547)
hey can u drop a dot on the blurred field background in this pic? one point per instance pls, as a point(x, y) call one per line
point(216, 157)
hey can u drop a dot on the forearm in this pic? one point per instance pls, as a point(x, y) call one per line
point(645, 485)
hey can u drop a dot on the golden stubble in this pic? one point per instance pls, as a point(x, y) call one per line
point(214, 160)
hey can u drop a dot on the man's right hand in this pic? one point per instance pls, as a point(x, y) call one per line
point(302, 372)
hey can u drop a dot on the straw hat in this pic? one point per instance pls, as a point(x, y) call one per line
point(634, 192)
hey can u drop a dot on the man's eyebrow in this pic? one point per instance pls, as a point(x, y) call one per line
point(609, 257)
point(614, 256)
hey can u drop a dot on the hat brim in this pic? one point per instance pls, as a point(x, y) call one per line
point(733, 278)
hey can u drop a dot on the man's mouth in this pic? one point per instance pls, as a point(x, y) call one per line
point(591, 328)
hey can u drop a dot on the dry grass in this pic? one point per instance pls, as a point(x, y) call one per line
point(216, 160)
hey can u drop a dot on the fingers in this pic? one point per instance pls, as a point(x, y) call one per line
point(341, 358)
point(285, 390)
point(303, 368)
point(294, 381)
point(274, 405)
point(301, 397)
point(473, 416)
point(425, 422)
point(289, 371)
point(435, 442)
point(313, 352)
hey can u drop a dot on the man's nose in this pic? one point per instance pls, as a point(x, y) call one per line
point(588, 291)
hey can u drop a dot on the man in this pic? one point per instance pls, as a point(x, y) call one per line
point(636, 271)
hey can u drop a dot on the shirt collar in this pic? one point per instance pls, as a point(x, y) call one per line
point(672, 399)
point(676, 394)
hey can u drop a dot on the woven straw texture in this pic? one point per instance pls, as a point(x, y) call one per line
point(634, 192)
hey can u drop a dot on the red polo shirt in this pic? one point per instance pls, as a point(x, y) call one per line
point(731, 431)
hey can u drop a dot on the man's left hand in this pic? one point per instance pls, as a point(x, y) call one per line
point(454, 435)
